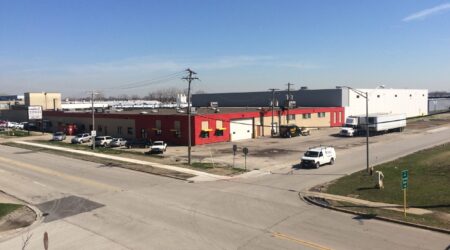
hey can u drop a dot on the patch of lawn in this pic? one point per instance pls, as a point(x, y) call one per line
point(6, 208)
point(202, 165)
point(17, 133)
point(217, 168)
point(434, 219)
point(428, 186)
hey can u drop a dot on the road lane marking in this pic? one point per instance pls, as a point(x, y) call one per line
point(40, 184)
point(50, 172)
point(437, 130)
point(299, 241)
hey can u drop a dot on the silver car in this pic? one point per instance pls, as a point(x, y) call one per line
point(80, 138)
point(117, 142)
point(59, 136)
point(103, 141)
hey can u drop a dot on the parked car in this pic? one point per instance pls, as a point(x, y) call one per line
point(81, 138)
point(158, 147)
point(289, 131)
point(117, 142)
point(103, 141)
point(138, 143)
point(315, 157)
point(59, 136)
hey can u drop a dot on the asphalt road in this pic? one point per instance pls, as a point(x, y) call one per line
point(91, 206)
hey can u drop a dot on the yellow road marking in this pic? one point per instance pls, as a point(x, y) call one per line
point(302, 242)
point(58, 174)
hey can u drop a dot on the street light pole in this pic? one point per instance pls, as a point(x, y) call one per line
point(93, 119)
point(272, 131)
point(367, 132)
point(364, 95)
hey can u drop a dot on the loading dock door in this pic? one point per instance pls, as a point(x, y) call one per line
point(241, 129)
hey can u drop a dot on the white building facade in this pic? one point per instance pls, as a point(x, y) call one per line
point(412, 102)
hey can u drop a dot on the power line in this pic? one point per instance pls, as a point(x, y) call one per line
point(145, 83)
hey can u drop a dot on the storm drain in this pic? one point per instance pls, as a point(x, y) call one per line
point(66, 207)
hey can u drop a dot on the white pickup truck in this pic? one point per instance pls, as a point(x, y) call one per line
point(317, 156)
point(158, 147)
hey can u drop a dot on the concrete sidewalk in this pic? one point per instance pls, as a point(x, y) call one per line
point(394, 207)
point(199, 176)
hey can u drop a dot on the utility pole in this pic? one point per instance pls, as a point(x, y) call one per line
point(272, 131)
point(288, 101)
point(93, 119)
point(189, 79)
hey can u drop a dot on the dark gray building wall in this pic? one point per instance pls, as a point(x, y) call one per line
point(438, 105)
point(303, 98)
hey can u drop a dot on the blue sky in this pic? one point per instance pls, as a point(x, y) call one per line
point(74, 46)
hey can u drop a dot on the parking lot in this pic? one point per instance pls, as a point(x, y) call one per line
point(272, 153)
point(267, 153)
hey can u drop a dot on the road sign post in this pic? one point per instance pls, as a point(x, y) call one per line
point(234, 153)
point(245, 157)
point(404, 187)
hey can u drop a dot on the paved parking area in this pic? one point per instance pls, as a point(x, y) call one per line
point(267, 153)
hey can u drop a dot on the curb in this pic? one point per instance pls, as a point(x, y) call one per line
point(125, 160)
point(6, 235)
point(326, 204)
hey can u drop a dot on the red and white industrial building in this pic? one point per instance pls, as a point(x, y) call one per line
point(209, 125)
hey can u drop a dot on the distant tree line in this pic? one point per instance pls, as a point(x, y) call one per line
point(162, 95)
point(439, 94)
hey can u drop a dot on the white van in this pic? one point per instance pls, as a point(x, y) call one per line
point(317, 156)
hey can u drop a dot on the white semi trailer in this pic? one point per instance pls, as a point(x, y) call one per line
point(378, 124)
point(384, 123)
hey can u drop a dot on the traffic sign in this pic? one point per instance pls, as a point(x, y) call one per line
point(404, 184)
point(405, 174)
point(404, 179)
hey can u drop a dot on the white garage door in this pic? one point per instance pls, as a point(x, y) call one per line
point(241, 129)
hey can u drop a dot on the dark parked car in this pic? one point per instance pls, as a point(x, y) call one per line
point(138, 143)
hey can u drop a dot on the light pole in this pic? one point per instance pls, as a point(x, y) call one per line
point(366, 96)
point(272, 131)
point(93, 119)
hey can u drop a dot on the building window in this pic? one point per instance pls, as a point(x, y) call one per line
point(158, 124)
point(410, 95)
point(321, 114)
point(204, 134)
point(395, 95)
point(219, 124)
point(99, 128)
point(205, 125)
point(378, 96)
point(130, 130)
point(119, 130)
point(176, 128)
point(291, 117)
point(306, 116)
point(219, 132)
point(219, 128)
point(205, 129)
point(357, 96)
